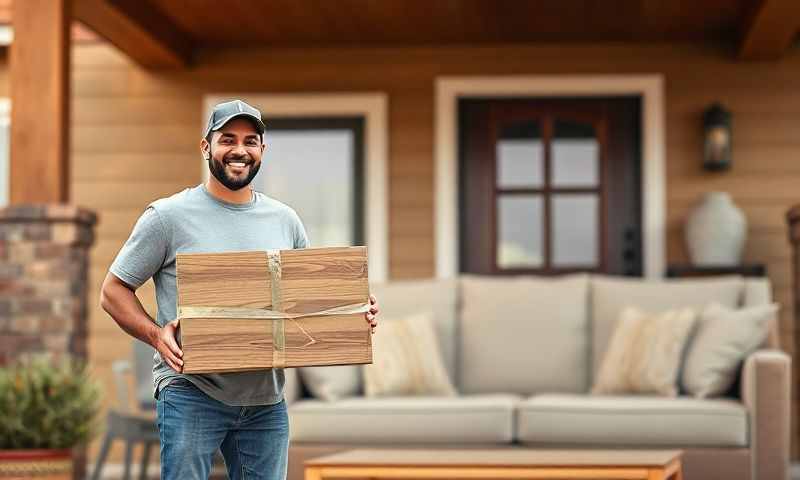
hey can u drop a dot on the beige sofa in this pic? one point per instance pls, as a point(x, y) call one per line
point(522, 352)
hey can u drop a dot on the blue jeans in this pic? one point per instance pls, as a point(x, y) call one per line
point(192, 426)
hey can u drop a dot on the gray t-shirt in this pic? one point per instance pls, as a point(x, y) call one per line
point(194, 221)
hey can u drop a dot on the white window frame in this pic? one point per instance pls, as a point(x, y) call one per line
point(373, 106)
point(5, 152)
point(450, 89)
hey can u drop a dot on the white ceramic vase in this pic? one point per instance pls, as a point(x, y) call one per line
point(716, 231)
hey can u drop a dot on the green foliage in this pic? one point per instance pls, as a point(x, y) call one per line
point(47, 404)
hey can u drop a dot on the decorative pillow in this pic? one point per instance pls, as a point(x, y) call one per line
point(406, 360)
point(644, 355)
point(331, 383)
point(611, 294)
point(724, 338)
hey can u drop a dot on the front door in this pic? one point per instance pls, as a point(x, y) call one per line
point(550, 186)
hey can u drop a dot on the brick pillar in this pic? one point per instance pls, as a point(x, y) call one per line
point(44, 272)
point(44, 265)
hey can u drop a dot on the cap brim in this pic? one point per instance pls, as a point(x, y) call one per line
point(259, 123)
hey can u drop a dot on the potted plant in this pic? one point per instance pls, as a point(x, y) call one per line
point(47, 408)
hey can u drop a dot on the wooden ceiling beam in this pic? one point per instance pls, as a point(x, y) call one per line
point(139, 29)
point(769, 30)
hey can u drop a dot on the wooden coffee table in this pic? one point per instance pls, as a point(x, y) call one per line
point(510, 463)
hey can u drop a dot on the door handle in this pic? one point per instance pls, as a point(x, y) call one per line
point(629, 251)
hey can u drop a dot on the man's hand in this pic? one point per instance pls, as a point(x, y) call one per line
point(119, 300)
point(370, 315)
point(167, 345)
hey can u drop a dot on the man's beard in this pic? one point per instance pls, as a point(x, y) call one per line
point(218, 170)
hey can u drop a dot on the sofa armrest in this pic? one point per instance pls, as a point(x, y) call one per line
point(766, 392)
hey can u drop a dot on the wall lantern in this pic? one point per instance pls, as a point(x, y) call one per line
point(717, 126)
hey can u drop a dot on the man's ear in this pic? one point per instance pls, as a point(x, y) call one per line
point(205, 149)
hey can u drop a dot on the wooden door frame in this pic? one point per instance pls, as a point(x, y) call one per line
point(450, 89)
point(373, 106)
point(5, 168)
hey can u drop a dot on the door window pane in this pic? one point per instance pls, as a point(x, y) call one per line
point(574, 233)
point(575, 153)
point(312, 172)
point(519, 231)
point(520, 156)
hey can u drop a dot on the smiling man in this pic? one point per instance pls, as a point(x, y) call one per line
point(242, 414)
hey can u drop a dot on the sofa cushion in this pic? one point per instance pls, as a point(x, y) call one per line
point(631, 421)
point(406, 360)
point(332, 382)
point(611, 294)
point(524, 334)
point(391, 420)
point(292, 388)
point(398, 299)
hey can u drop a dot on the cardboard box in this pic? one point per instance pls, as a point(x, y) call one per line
point(273, 309)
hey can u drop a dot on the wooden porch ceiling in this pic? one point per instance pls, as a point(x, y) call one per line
point(165, 33)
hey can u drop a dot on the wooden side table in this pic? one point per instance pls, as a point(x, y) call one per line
point(494, 464)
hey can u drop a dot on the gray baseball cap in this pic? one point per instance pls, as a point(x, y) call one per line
point(227, 111)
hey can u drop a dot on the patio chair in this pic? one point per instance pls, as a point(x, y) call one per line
point(125, 423)
point(134, 425)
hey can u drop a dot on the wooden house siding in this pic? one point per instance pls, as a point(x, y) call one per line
point(136, 134)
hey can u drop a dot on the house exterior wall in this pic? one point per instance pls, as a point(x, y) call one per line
point(136, 134)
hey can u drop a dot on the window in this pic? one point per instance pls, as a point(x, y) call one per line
point(315, 166)
point(547, 194)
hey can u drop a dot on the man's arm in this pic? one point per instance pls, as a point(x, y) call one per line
point(119, 300)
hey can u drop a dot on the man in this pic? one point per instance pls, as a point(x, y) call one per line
point(243, 414)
